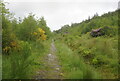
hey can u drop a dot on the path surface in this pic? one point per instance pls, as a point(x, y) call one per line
point(52, 68)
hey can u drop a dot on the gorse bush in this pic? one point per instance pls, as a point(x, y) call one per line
point(31, 30)
point(17, 62)
point(20, 42)
point(39, 34)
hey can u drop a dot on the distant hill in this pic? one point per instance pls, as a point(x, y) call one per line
point(109, 19)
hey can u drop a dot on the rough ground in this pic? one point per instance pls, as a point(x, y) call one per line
point(52, 68)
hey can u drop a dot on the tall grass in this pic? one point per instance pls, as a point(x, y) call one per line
point(16, 65)
point(106, 53)
point(24, 63)
point(38, 53)
point(100, 53)
point(0, 66)
point(72, 65)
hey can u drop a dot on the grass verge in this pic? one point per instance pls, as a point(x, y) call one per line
point(72, 65)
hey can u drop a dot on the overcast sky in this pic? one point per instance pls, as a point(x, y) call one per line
point(60, 12)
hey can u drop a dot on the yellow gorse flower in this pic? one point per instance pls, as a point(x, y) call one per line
point(40, 34)
point(35, 33)
point(41, 31)
point(7, 48)
point(13, 44)
point(44, 37)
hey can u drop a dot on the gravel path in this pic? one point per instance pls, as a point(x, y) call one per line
point(52, 68)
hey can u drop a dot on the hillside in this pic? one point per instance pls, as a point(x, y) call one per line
point(109, 19)
point(100, 53)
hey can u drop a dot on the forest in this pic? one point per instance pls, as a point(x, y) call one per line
point(84, 50)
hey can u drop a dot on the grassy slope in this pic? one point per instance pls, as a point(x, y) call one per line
point(101, 53)
point(72, 65)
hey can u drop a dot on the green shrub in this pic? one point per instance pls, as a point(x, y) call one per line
point(16, 65)
point(73, 65)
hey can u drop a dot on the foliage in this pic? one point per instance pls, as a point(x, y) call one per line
point(16, 64)
point(109, 19)
point(39, 34)
point(21, 40)
point(74, 69)
point(26, 41)
point(98, 52)
point(43, 25)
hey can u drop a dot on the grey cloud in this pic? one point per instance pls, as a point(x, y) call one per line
point(58, 14)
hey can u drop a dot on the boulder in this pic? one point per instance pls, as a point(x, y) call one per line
point(96, 32)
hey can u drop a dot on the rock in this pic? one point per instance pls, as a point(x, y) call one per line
point(102, 31)
point(49, 54)
point(57, 68)
point(96, 32)
point(61, 74)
